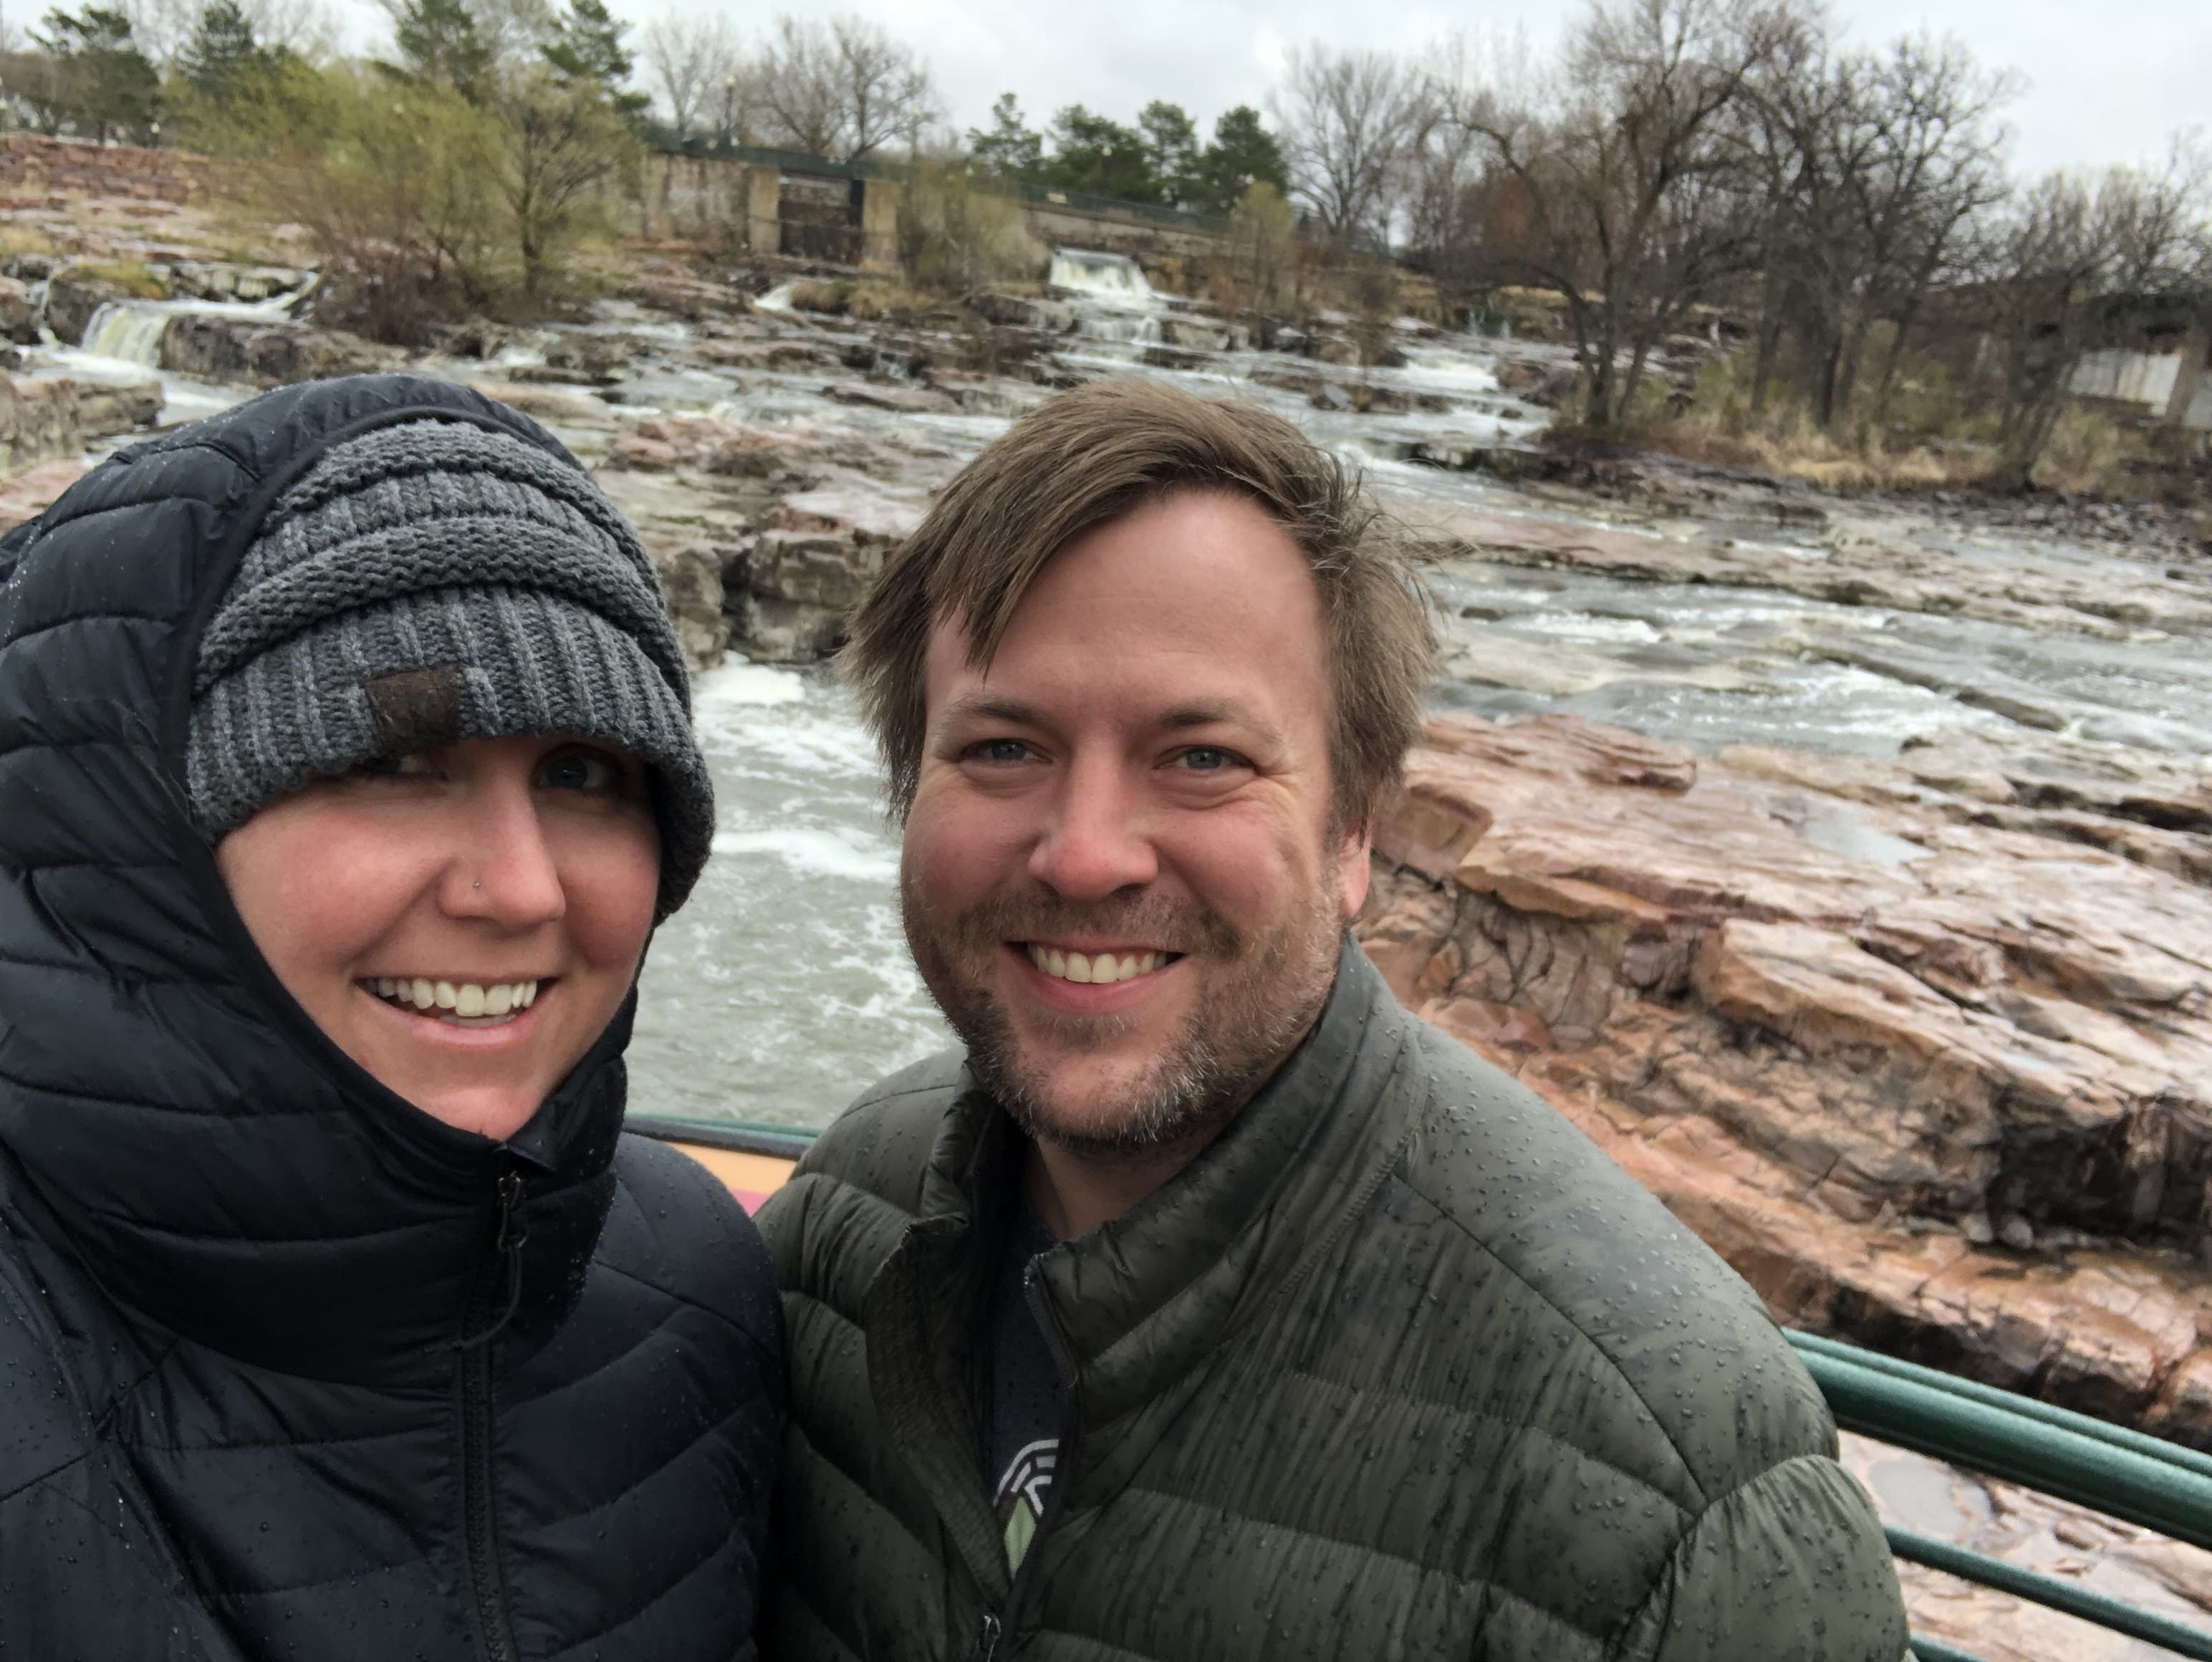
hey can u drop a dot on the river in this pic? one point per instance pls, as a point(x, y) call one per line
point(784, 987)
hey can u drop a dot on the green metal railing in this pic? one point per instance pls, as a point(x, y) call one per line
point(2122, 1473)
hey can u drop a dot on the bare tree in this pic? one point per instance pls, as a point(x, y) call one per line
point(841, 87)
point(2074, 266)
point(1350, 122)
point(1634, 186)
point(1883, 160)
point(694, 62)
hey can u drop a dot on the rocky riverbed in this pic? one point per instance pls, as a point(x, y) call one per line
point(1843, 866)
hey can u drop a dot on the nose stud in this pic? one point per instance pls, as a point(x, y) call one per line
point(478, 884)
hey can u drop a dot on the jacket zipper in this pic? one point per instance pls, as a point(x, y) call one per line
point(1063, 1459)
point(490, 1303)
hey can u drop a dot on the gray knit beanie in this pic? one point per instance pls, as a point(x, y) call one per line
point(430, 582)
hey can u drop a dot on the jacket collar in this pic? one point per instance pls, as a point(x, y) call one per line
point(213, 1161)
point(1142, 1301)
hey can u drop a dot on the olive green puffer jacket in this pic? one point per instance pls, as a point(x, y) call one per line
point(1401, 1366)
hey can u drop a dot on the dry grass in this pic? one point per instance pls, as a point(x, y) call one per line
point(1782, 441)
point(2090, 453)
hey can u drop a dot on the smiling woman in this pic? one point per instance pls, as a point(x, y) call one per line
point(348, 767)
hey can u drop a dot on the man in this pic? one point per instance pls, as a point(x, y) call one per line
point(1210, 1306)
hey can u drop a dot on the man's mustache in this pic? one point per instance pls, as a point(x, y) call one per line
point(1154, 920)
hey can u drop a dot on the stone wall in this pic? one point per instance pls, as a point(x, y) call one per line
point(37, 171)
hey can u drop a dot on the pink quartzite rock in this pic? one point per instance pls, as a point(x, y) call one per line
point(1854, 1034)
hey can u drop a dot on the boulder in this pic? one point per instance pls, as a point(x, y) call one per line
point(31, 493)
point(1939, 1086)
point(19, 313)
point(807, 571)
point(52, 419)
point(691, 584)
point(1050, 317)
point(225, 346)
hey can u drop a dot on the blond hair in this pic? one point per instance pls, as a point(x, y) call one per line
point(1089, 456)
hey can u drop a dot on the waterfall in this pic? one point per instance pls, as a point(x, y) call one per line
point(1115, 279)
point(1112, 299)
point(130, 330)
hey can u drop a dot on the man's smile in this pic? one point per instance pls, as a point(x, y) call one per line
point(1099, 965)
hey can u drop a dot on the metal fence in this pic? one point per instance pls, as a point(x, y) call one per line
point(2123, 1474)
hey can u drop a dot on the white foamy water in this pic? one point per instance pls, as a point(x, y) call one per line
point(784, 987)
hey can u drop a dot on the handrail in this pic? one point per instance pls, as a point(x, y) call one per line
point(2145, 1480)
point(2123, 1474)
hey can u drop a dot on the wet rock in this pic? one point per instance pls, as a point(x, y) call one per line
point(691, 582)
point(807, 571)
point(18, 313)
point(251, 284)
point(1808, 1017)
point(1049, 317)
point(71, 302)
point(2065, 596)
point(713, 445)
point(904, 400)
point(225, 347)
point(1173, 357)
point(32, 492)
point(52, 419)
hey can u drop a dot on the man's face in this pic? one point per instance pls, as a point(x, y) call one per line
point(1120, 877)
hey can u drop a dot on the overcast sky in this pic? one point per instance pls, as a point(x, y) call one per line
point(2107, 80)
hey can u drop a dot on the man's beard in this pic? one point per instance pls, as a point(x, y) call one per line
point(1256, 999)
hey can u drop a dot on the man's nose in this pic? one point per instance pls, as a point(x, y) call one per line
point(1097, 842)
point(504, 869)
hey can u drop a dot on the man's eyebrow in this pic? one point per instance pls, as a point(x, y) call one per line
point(1208, 712)
point(990, 707)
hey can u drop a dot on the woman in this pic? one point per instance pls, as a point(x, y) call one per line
point(345, 769)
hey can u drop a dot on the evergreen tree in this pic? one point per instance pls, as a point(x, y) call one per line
point(222, 56)
point(1243, 153)
point(1171, 148)
point(1095, 153)
point(108, 86)
point(440, 44)
point(1009, 149)
point(587, 48)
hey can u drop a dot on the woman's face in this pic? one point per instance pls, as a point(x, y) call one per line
point(463, 922)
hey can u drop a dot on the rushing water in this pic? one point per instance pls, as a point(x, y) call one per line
point(784, 987)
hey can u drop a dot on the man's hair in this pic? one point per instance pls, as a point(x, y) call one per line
point(1090, 456)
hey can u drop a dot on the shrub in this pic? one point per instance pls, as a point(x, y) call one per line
point(954, 236)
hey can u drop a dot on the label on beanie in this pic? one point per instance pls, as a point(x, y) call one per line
point(415, 709)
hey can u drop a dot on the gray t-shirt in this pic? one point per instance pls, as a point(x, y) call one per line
point(1021, 1435)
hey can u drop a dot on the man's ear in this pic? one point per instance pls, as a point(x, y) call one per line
point(1354, 865)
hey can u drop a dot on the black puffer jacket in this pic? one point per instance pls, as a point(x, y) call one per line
point(286, 1367)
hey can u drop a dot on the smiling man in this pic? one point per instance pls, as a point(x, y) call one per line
point(1207, 1305)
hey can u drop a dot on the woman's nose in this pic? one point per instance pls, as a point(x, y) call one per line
point(504, 869)
point(1094, 843)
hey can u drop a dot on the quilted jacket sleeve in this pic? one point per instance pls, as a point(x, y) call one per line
point(1790, 1567)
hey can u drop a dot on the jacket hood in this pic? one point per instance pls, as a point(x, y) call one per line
point(214, 1161)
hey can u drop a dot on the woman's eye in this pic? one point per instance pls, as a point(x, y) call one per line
point(582, 770)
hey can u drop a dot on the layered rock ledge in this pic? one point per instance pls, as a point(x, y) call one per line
point(1925, 1050)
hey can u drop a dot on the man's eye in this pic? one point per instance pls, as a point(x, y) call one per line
point(1003, 752)
point(1204, 759)
point(580, 770)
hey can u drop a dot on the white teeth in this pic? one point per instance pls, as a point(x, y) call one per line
point(1101, 969)
point(471, 1001)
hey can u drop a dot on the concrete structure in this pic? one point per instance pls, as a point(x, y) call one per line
point(799, 206)
point(2170, 388)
